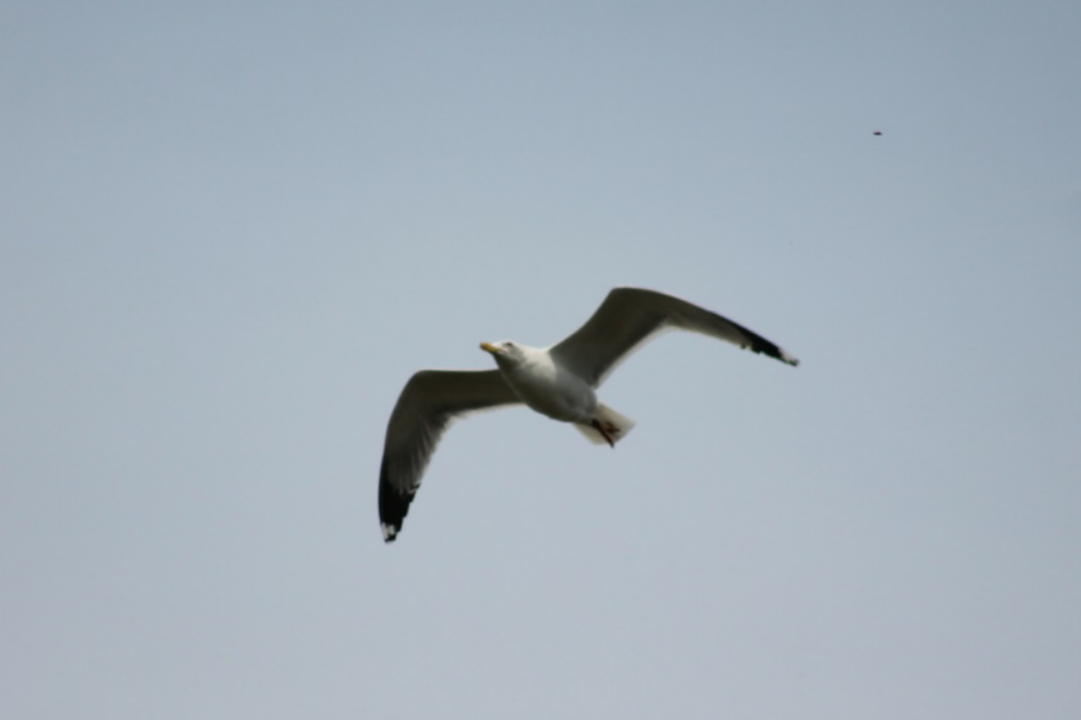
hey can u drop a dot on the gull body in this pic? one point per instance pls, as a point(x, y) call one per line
point(559, 382)
point(541, 384)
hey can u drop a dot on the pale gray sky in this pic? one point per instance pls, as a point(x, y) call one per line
point(230, 231)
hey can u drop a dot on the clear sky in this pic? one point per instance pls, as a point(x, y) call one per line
point(230, 231)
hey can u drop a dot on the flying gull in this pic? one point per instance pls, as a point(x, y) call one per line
point(557, 381)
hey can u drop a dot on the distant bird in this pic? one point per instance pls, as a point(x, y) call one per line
point(878, 132)
point(557, 381)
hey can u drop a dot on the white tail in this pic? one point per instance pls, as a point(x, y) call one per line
point(618, 426)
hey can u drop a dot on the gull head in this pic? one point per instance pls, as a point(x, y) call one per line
point(507, 354)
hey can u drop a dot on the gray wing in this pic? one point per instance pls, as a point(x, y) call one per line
point(629, 317)
point(429, 402)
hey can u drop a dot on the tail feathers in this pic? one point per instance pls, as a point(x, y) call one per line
point(618, 426)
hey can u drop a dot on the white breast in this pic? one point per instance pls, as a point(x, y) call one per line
point(552, 390)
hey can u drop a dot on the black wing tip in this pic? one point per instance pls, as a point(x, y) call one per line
point(765, 347)
point(393, 506)
point(762, 346)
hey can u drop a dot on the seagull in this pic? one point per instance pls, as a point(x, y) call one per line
point(558, 381)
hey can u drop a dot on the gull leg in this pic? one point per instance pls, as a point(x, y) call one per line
point(606, 430)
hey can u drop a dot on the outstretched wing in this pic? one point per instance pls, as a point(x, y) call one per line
point(629, 317)
point(429, 402)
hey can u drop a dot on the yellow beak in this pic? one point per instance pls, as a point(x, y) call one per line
point(493, 349)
